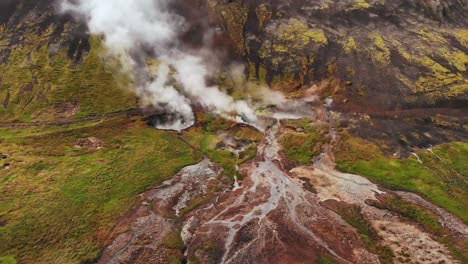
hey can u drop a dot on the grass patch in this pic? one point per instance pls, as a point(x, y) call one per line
point(425, 219)
point(60, 203)
point(8, 260)
point(354, 217)
point(203, 137)
point(301, 148)
point(172, 240)
point(441, 177)
point(248, 133)
point(412, 212)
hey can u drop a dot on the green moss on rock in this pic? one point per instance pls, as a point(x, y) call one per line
point(350, 45)
point(380, 53)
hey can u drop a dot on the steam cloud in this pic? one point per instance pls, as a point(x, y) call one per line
point(128, 26)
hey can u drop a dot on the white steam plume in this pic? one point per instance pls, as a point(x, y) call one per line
point(130, 25)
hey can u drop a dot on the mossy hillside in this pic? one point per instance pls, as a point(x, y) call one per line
point(441, 175)
point(298, 30)
point(294, 48)
point(36, 85)
point(441, 65)
point(59, 202)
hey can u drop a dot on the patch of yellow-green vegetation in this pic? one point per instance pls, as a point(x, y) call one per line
point(292, 41)
point(458, 89)
point(256, 81)
point(462, 36)
point(212, 252)
point(303, 144)
point(3, 41)
point(440, 77)
point(37, 86)
point(21, 132)
point(437, 82)
point(248, 133)
point(379, 51)
point(173, 240)
point(412, 212)
point(324, 6)
point(441, 176)
point(359, 5)
point(60, 202)
point(350, 45)
point(234, 15)
point(433, 83)
point(213, 123)
point(8, 260)
point(405, 80)
point(200, 200)
point(298, 33)
point(458, 59)
point(206, 138)
point(264, 14)
point(431, 38)
point(402, 51)
point(280, 48)
point(285, 82)
point(353, 215)
point(431, 65)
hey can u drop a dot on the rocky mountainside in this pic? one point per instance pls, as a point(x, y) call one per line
point(362, 161)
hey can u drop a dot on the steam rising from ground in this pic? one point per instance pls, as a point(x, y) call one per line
point(131, 26)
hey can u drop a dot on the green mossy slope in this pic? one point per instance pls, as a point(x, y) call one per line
point(440, 175)
point(59, 201)
point(36, 85)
